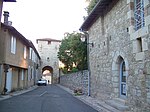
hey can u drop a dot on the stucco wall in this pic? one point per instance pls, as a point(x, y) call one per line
point(2, 47)
point(14, 79)
point(17, 62)
point(16, 59)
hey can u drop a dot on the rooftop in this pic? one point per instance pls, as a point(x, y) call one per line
point(98, 10)
point(9, 0)
point(48, 39)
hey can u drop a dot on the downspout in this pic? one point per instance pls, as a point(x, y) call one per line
point(88, 62)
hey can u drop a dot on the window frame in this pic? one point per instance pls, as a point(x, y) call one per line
point(30, 53)
point(22, 74)
point(13, 44)
point(139, 14)
point(25, 52)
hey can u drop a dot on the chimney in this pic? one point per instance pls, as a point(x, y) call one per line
point(10, 23)
point(6, 15)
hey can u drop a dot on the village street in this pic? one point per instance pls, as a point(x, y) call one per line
point(49, 98)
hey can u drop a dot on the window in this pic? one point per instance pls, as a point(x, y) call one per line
point(32, 72)
point(139, 44)
point(48, 59)
point(139, 14)
point(49, 42)
point(123, 76)
point(33, 55)
point(30, 55)
point(13, 45)
point(29, 73)
point(22, 74)
point(25, 52)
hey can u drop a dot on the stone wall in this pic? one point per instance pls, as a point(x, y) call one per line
point(115, 40)
point(76, 80)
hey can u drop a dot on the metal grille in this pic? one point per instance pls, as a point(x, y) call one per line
point(139, 14)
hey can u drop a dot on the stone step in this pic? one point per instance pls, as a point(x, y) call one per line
point(108, 107)
point(121, 101)
point(118, 104)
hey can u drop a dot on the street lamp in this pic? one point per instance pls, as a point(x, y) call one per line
point(85, 37)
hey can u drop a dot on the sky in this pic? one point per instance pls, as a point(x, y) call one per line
point(36, 19)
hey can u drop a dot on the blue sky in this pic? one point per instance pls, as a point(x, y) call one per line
point(46, 18)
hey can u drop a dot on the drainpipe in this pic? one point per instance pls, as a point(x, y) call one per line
point(88, 63)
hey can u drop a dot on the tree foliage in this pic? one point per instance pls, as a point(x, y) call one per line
point(91, 5)
point(73, 51)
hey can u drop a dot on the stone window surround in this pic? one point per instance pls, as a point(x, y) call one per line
point(141, 33)
point(130, 15)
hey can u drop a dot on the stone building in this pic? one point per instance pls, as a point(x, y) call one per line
point(120, 58)
point(48, 49)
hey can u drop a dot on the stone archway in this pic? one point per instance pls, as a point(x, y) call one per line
point(47, 73)
point(119, 61)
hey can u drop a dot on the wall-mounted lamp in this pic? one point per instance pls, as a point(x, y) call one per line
point(84, 38)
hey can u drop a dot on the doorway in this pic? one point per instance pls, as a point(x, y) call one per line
point(9, 80)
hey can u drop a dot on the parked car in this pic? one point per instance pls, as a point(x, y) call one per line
point(42, 82)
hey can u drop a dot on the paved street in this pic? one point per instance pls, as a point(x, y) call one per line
point(49, 98)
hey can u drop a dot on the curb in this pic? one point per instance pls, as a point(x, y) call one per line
point(16, 93)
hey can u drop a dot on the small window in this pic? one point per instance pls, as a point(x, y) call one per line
point(139, 44)
point(47, 58)
point(13, 45)
point(104, 44)
point(49, 42)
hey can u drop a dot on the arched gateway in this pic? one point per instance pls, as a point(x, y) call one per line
point(47, 73)
point(48, 50)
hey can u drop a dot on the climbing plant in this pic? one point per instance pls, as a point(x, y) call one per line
point(91, 5)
